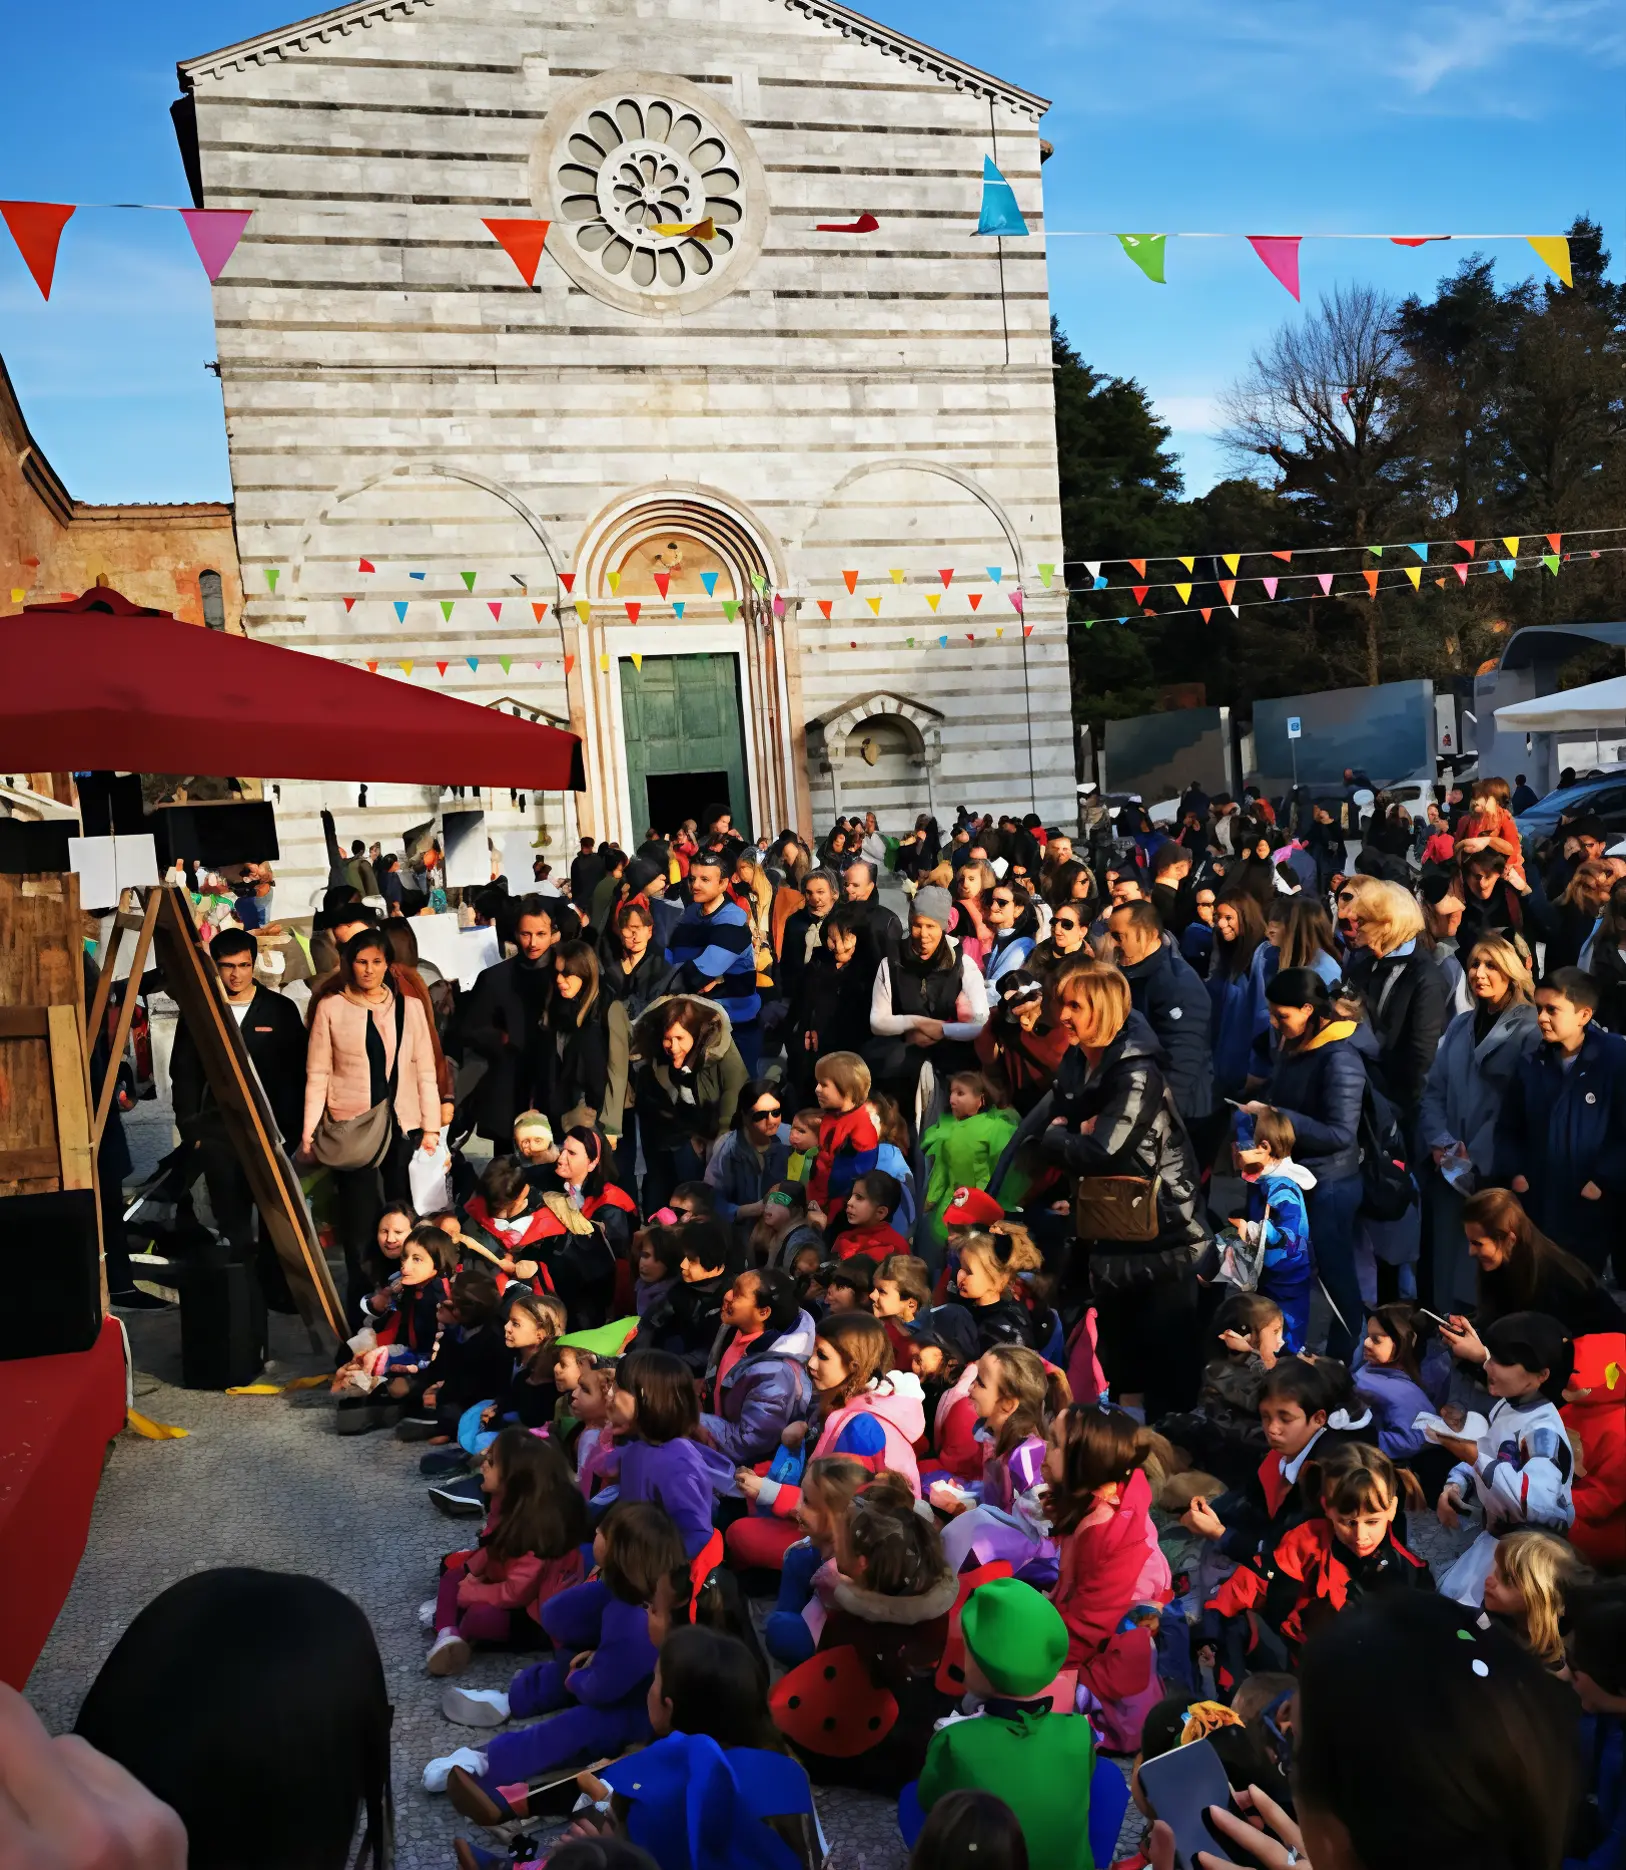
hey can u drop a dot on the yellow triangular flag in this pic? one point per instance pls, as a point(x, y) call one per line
point(153, 1431)
point(1189, 563)
point(637, 660)
point(1512, 544)
point(1554, 251)
point(584, 610)
point(1183, 591)
point(405, 667)
point(897, 577)
point(934, 598)
point(1232, 560)
point(615, 582)
point(17, 596)
point(1611, 1375)
point(874, 604)
point(999, 629)
point(1415, 573)
point(603, 662)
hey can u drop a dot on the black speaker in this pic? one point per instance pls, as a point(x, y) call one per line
point(30, 846)
point(243, 831)
point(222, 1326)
point(50, 1274)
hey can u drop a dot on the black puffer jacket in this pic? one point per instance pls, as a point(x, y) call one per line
point(1166, 988)
point(1137, 1132)
point(1407, 1003)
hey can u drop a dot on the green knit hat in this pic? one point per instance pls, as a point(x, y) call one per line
point(1015, 1636)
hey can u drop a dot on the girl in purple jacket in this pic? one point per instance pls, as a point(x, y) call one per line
point(1388, 1374)
point(656, 1415)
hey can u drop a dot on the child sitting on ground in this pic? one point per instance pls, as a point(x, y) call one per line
point(990, 1267)
point(502, 1222)
point(867, 1225)
point(829, 1483)
point(964, 1145)
point(804, 1144)
point(1002, 1515)
point(946, 1362)
point(783, 1229)
point(1525, 1587)
point(1388, 1374)
point(1276, 1216)
point(849, 1136)
point(403, 1342)
point(686, 1321)
point(529, 1549)
point(659, 1455)
point(758, 1384)
point(1222, 1434)
point(470, 1363)
point(530, 1396)
point(902, 1292)
point(595, 1453)
point(598, 1675)
point(394, 1225)
point(657, 1254)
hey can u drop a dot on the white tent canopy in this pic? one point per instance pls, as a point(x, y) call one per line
point(1576, 711)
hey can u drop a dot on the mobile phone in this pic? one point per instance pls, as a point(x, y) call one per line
point(1445, 1323)
point(1236, 1103)
point(1180, 1787)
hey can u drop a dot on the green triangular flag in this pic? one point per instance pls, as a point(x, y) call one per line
point(1146, 250)
point(507, 663)
point(271, 578)
point(1550, 560)
point(468, 580)
point(1375, 550)
point(910, 641)
point(446, 609)
point(759, 581)
point(1046, 573)
point(731, 608)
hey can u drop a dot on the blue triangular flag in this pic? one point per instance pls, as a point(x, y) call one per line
point(1507, 565)
point(419, 575)
point(942, 642)
point(677, 608)
point(996, 573)
point(1421, 549)
point(709, 580)
point(1100, 581)
point(400, 610)
point(1000, 214)
point(472, 661)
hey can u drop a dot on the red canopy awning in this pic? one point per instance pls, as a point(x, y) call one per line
point(101, 683)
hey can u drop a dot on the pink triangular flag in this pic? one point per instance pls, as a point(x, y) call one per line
point(495, 608)
point(1016, 601)
point(1270, 586)
point(1324, 579)
point(215, 233)
point(1280, 253)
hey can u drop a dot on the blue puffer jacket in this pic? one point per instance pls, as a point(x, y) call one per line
point(736, 1174)
point(1237, 999)
point(762, 1394)
point(1562, 1129)
point(1320, 1087)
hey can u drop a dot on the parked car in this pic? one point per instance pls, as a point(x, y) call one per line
point(1602, 795)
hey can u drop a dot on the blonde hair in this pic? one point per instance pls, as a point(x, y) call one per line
point(1003, 1253)
point(847, 1072)
point(1389, 914)
point(1102, 991)
point(1506, 959)
point(1540, 1567)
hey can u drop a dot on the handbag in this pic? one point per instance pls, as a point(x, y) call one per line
point(1115, 1207)
point(362, 1142)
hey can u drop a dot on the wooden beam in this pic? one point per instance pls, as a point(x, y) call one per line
point(42, 967)
point(78, 1157)
point(24, 1022)
point(127, 1007)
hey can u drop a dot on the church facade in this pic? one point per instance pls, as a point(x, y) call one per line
point(757, 509)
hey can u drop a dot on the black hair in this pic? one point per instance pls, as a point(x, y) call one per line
point(698, 1194)
point(232, 941)
point(502, 1180)
point(1579, 988)
point(716, 1687)
point(970, 1830)
point(708, 1243)
point(858, 1272)
point(750, 1092)
point(1595, 1623)
point(1300, 986)
point(168, 1705)
point(1535, 1342)
point(603, 1852)
point(475, 1295)
point(536, 905)
point(1471, 1739)
point(883, 1189)
point(1293, 1380)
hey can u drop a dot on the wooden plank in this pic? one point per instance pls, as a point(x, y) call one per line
point(127, 1007)
point(29, 1165)
point(24, 1022)
point(192, 983)
point(41, 966)
point(77, 1157)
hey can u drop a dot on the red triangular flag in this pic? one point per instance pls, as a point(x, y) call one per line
point(1140, 566)
point(37, 226)
point(350, 603)
point(1285, 557)
point(851, 580)
point(366, 565)
point(1280, 253)
point(826, 605)
point(947, 577)
point(1371, 578)
point(539, 611)
point(570, 663)
point(1228, 587)
point(663, 582)
point(496, 609)
point(1140, 591)
point(522, 242)
point(568, 580)
point(1468, 546)
point(1027, 629)
point(441, 666)
point(1553, 539)
point(865, 224)
point(976, 599)
point(1462, 573)
point(372, 668)
point(632, 612)
point(1205, 615)
point(971, 636)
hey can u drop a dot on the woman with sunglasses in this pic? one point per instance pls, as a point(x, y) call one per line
point(750, 1158)
point(1021, 1045)
point(1067, 940)
point(1012, 926)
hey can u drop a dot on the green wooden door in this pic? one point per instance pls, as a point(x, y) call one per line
point(681, 717)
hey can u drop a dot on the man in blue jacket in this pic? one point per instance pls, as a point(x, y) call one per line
point(710, 946)
point(1561, 1134)
point(1165, 987)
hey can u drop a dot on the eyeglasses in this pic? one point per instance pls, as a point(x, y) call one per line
point(1004, 902)
point(766, 1113)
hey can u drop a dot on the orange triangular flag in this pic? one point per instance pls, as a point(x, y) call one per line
point(1441, 582)
point(663, 582)
point(539, 611)
point(1140, 566)
point(37, 226)
point(1371, 578)
point(1027, 629)
point(874, 604)
point(1553, 539)
point(522, 242)
point(1228, 586)
point(1140, 591)
point(976, 599)
point(850, 578)
point(1285, 557)
point(570, 663)
point(1205, 615)
point(372, 668)
point(934, 598)
point(826, 605)
point(947, 577)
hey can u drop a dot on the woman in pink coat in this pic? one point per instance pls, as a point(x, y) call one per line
point(356, 1035)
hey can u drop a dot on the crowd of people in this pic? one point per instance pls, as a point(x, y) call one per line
point(1049, 1285)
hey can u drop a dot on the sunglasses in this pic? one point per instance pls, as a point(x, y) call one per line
point(1004, 902)
point(764, 1111)
point(1067, 922)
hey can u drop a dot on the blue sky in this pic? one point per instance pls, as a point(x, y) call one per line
point(1264, 116)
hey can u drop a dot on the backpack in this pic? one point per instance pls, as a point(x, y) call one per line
point(1388, 1187)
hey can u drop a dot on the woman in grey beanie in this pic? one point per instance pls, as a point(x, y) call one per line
point(925, 1012)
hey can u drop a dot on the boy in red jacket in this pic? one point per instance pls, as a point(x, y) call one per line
point(868, 1228)
point(849, 1136)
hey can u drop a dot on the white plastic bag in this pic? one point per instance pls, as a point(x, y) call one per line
point(429, 1176)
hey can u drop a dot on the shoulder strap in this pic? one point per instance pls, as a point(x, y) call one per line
point(395, 1063)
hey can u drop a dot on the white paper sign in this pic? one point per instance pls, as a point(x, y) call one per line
point(468, 856)
point(517, 858)
point(460, 954)
point(95, 863)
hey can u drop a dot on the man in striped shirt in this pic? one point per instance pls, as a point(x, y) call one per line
point(710, 947)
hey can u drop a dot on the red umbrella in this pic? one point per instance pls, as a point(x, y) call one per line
point(99, 682)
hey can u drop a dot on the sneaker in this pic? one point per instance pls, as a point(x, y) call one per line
point(471, 1800)
point(437, 1774)
point(420, 1428)
point(448, 1654)
point(460, 1499)
point(443, 1463)
point(426, 1613)
point(474, 1707)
